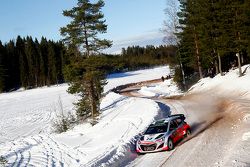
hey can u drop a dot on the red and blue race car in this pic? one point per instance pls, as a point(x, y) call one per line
point(163, 134)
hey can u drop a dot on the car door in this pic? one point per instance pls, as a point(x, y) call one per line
point(180, 129)
point(173, 129)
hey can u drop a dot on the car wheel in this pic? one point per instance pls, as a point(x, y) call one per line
point(170, 144)
point(188, 133)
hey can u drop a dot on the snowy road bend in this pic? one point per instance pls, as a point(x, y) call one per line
point(217, 128)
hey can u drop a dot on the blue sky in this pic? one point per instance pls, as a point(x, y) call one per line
point(130, 22)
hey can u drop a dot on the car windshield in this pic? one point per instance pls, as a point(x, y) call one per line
point(157, 129)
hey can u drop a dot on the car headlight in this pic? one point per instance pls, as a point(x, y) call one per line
point(160, 140)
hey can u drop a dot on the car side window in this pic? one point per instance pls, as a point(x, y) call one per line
point(179, 121)
point(173, 125)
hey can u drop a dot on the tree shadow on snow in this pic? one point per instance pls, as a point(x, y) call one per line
point(164, 111)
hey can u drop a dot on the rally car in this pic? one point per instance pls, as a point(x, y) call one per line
point(163, 134)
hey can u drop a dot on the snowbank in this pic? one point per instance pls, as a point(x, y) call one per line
point(122, 118)
point(166, 88)
point(228, 84)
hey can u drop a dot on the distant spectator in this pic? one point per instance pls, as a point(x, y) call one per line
point(162, 78)
point(211, 72)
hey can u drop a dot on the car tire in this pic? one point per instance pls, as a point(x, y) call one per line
point(141, 154)
point(188, 133)
point(170, 144)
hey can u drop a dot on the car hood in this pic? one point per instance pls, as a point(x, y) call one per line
point(152, 137)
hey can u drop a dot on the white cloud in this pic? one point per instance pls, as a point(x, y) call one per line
point(154, 37)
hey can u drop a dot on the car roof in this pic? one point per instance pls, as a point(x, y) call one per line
point(167, 119)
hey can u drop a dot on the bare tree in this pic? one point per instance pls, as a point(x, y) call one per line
point(171, 29)
point(171, 23)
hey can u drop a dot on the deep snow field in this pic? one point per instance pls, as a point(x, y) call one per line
point(24, 113)
point(26, 116)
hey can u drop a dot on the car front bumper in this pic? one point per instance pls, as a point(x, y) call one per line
point(151, 147)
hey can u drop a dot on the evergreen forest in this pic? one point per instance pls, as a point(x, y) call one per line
point(212, 37)
point(208, 33)
point(29, 63)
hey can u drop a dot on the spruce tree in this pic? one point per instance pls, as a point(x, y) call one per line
point(189, 35)
point(240, 30)
point(12, 66)
point(23, 63)
point(30, 52)
point(1, 78)
point(87, 22)
point(52, 77)
point(44, 56)
point(83, 30)
point(2, 83)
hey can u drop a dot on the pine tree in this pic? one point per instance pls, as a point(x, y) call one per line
point(240, 30)
point(214, 31)
point(210, 34)
point(44, 56)
point(247, 26)
point(2, 74)
point(12, 66)
point(23, 62)
point(30, 52)
point(60, 51)
point(52, 77)
point(189, 36)
point(1, 78)
point(87, 22)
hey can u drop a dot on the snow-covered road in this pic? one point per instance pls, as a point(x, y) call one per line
point(217, 131)
point(218, 113)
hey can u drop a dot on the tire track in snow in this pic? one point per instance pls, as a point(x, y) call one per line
point(42, 150)
point(32, 121)
point(112, 150)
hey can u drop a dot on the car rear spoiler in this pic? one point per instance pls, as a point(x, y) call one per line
point(182, 116)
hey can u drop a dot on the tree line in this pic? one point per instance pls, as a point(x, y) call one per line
point(29, 63)
point(212, 36)
point(135, 57)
